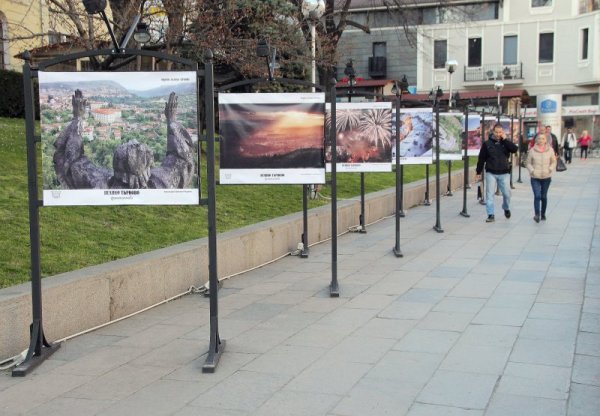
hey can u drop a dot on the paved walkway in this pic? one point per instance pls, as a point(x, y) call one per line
point(483, 319)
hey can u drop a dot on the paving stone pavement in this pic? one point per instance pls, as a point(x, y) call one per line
point(482, 319)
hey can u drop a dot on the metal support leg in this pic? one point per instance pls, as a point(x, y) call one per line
point(304, 251)
point(363, 227)
point(427, 201)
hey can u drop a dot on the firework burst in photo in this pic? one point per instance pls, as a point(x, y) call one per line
point(375, 124)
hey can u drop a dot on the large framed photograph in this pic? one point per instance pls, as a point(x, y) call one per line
point(363, 137)
point(119, 138)
point(474, 135)
point(272, 138)
point(452, 126)
point(416, 136)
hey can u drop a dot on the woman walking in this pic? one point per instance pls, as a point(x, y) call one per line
point(541, 162)
point(584, 141)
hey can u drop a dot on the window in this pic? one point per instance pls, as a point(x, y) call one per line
point(584, 43)
point(546, 48)
point(587, 6)
point(379, 49)
point(541, 3)
point(510, 50)
point(474, 51)
point(440, 53)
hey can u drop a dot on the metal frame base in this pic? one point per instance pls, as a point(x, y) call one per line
point(427, 202)
point(213, 358)
point(304, 253)
point(402, 214)
point(397, 252)
point(362, 230)
point(334, 290)
point(464, 214)
point(29, 365)
point(438, 228)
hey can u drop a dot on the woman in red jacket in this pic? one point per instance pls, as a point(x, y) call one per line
point(584, 141)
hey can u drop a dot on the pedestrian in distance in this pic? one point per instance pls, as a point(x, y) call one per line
point(541, 162)
point(494, 157)
point(568, 143)
point(584, 141)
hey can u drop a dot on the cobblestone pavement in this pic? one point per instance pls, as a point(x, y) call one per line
point(482, 319)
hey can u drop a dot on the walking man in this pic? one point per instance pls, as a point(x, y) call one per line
point(494, 156)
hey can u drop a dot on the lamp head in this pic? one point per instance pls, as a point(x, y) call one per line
point(141, 34)
point(498, 85)
point(94, 6)
point(349, 70)
point(313, 9)
point(262, 48)
point(451, 65)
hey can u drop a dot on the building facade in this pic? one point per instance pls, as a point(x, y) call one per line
point(548, 48)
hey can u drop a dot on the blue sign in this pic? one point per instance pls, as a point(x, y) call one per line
point(548, 106)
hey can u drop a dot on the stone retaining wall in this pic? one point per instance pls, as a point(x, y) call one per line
point(82, 299)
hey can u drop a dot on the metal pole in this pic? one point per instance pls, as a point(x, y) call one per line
point(363, 228)
point(482, 186)
point(464, 212)
point(437, 227)
point(39, 348)
point(512, 120)
point(313, 50)
point(334, 290)
point(402, 214)
point(216, 345)
point(449, 190)
point(520, 145)
point(304, 251)
point(427, 201)
point(399, 196)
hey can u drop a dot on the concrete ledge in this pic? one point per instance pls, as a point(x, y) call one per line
point(79, 300)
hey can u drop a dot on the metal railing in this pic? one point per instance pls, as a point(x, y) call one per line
point(492, 72)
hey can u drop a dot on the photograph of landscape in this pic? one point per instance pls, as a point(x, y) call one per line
point(272, 138)
point(119, 138)
point(452, 126)
point(416, 136)
point(474, 135)
point(363, 137)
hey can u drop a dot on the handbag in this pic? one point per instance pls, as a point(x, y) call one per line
point(560, 165)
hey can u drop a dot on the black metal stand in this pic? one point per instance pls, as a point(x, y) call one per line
point(449, 188)
point(520, 147)
point(427, 201)
point(39, 347)
point(216, 345)
point(512, 119)
point(399, 177)
point(363, 226)
point(402, 213)
point(438, 226)
point(334, 289)
point(304, 251)
point(465, 138)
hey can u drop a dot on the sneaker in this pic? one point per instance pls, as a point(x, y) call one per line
point(507, 213)
point(490, 218)
point(543, 218)
point(536, 218)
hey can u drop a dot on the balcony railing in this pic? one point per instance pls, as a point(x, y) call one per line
point(492, 72)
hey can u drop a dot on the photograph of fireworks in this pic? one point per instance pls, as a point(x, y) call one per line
point(506, 124)
point(272, 138)
point(474, 135)
point(416, 136)
point(363, 137)
point(452, 126)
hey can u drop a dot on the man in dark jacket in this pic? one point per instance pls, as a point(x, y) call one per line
point(494, 156)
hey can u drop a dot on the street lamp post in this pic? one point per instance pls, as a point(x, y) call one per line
point(312, 10)
point(451, 66)
point(498, 86)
